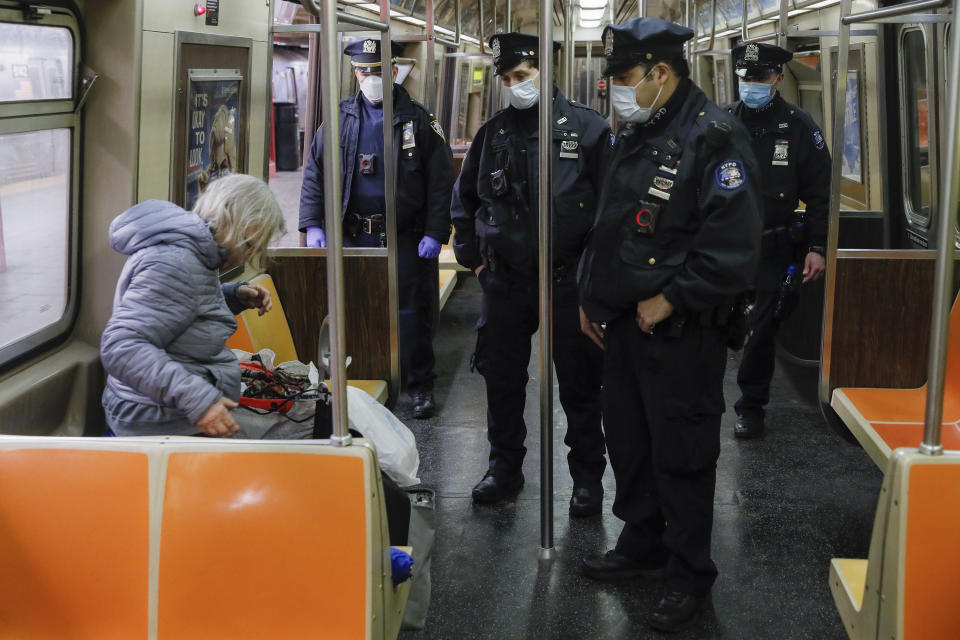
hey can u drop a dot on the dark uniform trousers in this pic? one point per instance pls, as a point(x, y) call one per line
point(508, 320)
point(662, 402)
point(759, 356)
point(417, 286)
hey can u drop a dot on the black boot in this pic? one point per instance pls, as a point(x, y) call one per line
point(749, 425)
point(494, 488)
point(616, 566)
point(423, 406)
point(676, 611)
point(586, 501)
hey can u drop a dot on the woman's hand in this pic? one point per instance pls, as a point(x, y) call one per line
point(217, 421)
point(255, 297)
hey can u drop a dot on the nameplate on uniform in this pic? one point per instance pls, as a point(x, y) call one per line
point(409, 141)
point(663, 195)
point(562, 120)
point(784, 125)
point(670, 170)
point(569, 149)
point(781, 153)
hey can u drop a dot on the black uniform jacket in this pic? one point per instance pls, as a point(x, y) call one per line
point(794, 165)
point(495, 199)
point(697, 177)
point(424, 171)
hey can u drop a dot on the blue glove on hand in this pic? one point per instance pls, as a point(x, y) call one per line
point(401, 565)
point(429, 248)
point(316, 238)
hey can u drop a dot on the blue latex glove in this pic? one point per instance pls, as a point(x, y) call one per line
point(429, 248)
point(316, 238)
point(401, 563)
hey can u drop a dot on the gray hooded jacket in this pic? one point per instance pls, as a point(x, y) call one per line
point(164, 348)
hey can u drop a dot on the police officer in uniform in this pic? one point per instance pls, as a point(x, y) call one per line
point(675, 243)
point(424, 173)
point(495, 219)
point(794, 165)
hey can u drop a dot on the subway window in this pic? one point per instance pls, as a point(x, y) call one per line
point(38, 186)
point(915, 125)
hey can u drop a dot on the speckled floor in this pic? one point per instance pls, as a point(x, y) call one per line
point(784, 506)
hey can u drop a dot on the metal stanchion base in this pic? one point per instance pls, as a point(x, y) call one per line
point(345, 441)
point(547, 555)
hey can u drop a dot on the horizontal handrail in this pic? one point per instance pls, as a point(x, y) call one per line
point(890, 12)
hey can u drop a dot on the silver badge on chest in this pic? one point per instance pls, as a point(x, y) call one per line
point(409, 141)
point(781, 153)
point(570, 149)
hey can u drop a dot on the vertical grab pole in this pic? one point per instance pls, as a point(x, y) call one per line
point(943, 280)
point(782, 24)
point(389, 192)
point(330, 97)
point(836, 152)
point(743, 21)
point(568, 52)
point(547, 552)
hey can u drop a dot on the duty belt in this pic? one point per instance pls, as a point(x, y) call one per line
point(369, 224)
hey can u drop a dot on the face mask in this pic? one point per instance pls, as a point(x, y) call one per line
point(755, 94)
point(625, 102)
point(372, 88)
point(522, 95)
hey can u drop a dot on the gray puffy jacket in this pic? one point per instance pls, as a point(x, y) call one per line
point(164, 348)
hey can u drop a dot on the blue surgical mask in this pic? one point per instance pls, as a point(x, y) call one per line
point(755, 94)
point(522, 95)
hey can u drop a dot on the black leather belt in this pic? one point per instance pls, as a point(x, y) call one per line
point(371, 224)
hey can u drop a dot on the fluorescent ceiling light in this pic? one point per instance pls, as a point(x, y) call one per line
point(593, 4)
point(412, 20)
point(590, 24)
point(825, 3)
point(591, 14)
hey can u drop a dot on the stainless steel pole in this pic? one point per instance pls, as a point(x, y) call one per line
point(641, 8)
point(547, 552)
point(943, 280)
point(509, 26)
point(743, 21)
point(836, 150)
point(390, 195)
point(568, 49)
point(330, 99)
point(782, 24)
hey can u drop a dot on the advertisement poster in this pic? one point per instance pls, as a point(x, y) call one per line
point(852, 166)
point(213, 128)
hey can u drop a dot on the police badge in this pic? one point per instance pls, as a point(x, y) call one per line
point(568, 149)
point(608, 43)
point(752, 54)
point(496, 50)
point(781, 153)
point(369, 46)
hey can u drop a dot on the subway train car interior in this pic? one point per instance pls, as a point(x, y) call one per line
point(236, 407)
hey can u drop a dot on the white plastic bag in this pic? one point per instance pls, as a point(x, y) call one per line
point(395, 443)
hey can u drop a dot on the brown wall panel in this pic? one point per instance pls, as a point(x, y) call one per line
point(302, 286)
point(881, 322)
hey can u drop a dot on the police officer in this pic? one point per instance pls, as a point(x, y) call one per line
point(675, 243)
point(424, 173)
point(495, 219)
point(794, 165)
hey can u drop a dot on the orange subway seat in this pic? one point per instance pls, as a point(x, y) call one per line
point(74, 537)
point(270, 555)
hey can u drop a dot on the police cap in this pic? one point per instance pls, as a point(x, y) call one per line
point(758, 59)
point(365, 54)
point(642, 40)
point(510, 49)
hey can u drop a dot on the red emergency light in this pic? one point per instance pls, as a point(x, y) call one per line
point(199, 9)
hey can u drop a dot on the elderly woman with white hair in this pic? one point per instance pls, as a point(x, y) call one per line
point(164, 348)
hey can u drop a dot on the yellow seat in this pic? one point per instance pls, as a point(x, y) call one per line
point(193, 538)
point(448, 281)
point(907, 588)
point(271, 331)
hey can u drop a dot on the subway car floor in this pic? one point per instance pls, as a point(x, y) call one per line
point(784, 506)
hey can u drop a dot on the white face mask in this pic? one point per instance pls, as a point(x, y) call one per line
point(522, 95)
point(625, 102)
point(372, 88)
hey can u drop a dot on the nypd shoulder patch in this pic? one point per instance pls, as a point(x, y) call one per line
point(730, 175)
point(438, 129)
point(818, 141)
point(613, 139)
